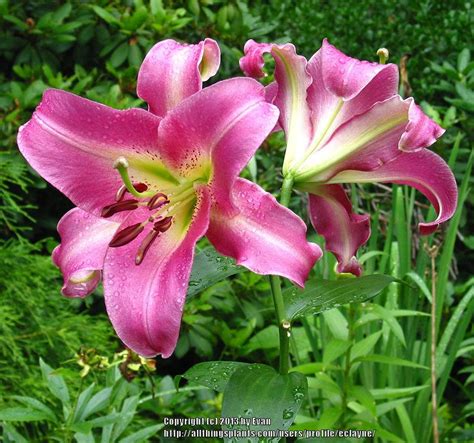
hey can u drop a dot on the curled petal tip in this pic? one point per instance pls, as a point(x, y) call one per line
point(352, 267)
point(421, 131)
point(173, 71)
point(344, 231)
point(81, 254)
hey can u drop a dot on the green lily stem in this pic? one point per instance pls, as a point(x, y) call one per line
point(284, 325)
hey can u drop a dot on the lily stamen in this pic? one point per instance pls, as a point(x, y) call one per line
point(126, 235)
point(157, 201)
point(125, 205)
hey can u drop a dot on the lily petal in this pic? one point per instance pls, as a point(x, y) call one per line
point(344, 231)
point(329, 110)
point(271, 91)
point(293, 81)
point(73, 143)
point(80, 256)
point(173, 71)
point(421, 131)
point(215, 132)
point(423, 170)
point(145, 302)
point(263, 236)
point(363, 143)
point(345, 76)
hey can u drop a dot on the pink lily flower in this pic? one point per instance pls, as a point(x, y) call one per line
point(149, 184)
point(345, 123)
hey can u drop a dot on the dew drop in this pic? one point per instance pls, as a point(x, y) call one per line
point(287, 414)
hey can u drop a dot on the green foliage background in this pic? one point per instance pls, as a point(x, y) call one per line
point(94, 49)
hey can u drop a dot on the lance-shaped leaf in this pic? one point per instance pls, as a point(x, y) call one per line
point(327, 294)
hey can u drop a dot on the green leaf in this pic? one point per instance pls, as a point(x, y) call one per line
point(142, 434)
point(265, 339)
point(420, 283)
point(328, 294)
point(22, 414)
point(11, 434)
point(101, 422)
point(135, 56)
point(209, 268)
point(312, 368)
point(128, 411)
point(259, 392)
point(119, 55)
point(364, 346)
point(105, 15)
point(84, 437)
point(389, 360)
point(406, 423)
point(364, 397)
point(383, 408)
point(82, 401)
point(387, 316)
point(385, 393)
point(464, 57)
point(97, 403)
point(55, 382)
point(337, 324)
point(37, 405)
point(213, 374)
point(334, 349)
point(61, 13)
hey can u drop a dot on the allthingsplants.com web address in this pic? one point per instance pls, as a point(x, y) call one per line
point(326, 433)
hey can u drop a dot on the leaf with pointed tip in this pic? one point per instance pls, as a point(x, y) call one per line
point(327, 294)
point(213, 374)
point(56, 383)
point(257, 391)
point(209, 268)
point(22, 414)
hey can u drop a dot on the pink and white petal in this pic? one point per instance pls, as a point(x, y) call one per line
point(362, 143)
point(262, 235)
point(293, 81)
point(215, 132)
point(271, 91)
point(345, 76)
point(329, 111)
point(173, 71)
point(344, 231)
point(145, 302)
point(80, 256)
point(73, 142)
point(423, 170)
point(421, 131)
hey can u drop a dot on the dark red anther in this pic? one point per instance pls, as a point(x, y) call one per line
point(126, 235)
point(163, 225)
point(140, 187)
point(125, 205)
point(157, 201)
point(145, 246)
